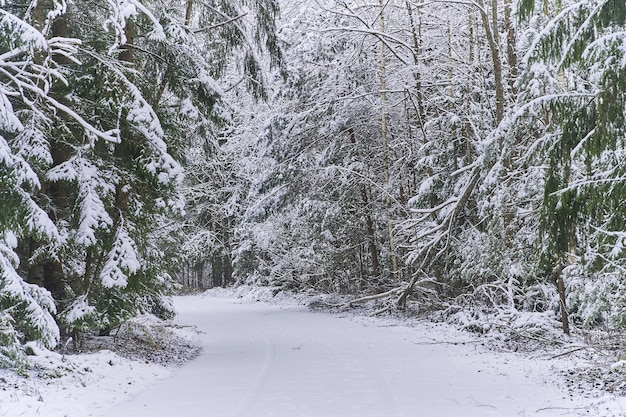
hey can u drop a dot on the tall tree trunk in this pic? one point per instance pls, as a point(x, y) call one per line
point(38, 15)
point(494, 22)
point(496, 60)
point(385, 143)
point(560, 284)
point(371, 237)
point(188, 12)
point(369, 222)
point(227, 258)
point(470, 18)
point(127, 54)
point(58, 192)
point(510, 45)
point(217, 270)
point(468, 98)
point(450, 91)
point(416, 37)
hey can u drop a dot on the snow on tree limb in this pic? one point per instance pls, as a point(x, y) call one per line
point(122, 261)
point(36, 302)
point(92, 188)
point(8, 119)
point(122, 11)
point(78, 311)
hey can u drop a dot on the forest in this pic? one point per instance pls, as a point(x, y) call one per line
point(466, 156)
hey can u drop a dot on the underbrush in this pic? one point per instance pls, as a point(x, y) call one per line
point(145, 338)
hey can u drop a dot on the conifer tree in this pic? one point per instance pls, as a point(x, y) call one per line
point(120, 192)
point(574, 85)
point(27, 72)
point(96, 123)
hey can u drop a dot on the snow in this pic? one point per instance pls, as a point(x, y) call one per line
point(122, 261)
point(262, 360)
point(79, 309)
point(92, 188)
point(36, 302)
point(64, 385)
point(8, 120)
point(284, 361)
point(75, 386)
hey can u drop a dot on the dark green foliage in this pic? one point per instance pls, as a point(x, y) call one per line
point(580, 219)
point(526, 9)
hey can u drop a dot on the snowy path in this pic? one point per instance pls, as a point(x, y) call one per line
point(262, 361)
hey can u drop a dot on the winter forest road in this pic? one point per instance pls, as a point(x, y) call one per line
point(266, 361)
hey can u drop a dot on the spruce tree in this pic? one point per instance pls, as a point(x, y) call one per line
point(574, 84)
point(27, 72)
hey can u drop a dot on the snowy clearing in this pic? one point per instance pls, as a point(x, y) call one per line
point(283, 361)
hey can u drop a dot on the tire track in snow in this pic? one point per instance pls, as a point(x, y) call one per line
point(384, 385)
point(368, 367)
point(260, 361)
point(251, 397)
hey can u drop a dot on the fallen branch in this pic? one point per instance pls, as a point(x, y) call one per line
point(448, 222)
point(382, 310)
point(561, 408)
point(519, 332)
point(568, 352)
point(445, 342)
point(389, 293)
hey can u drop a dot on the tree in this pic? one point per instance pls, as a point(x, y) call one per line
point(27, 72)
point(92, 155)
point(111, 178)
point(241, 40)
point(572, 105)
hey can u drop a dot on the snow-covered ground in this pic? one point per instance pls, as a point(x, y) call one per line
point(260, 360)
point(69, 385)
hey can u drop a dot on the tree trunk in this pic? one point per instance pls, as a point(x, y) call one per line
point(510, 45)
point(495, 57)
point(188, 12)
point(494, 22)
point(58, 192)
point(226, 259)
point(417, 36)
point(127, 54)
point(371, 237)
point(369, 222)
point(217, 270)
point(385, 143)
point(38, 15)
point(563, 306)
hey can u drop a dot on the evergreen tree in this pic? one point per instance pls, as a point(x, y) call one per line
point(27, 73)
point(574, 86)
point(111, 178)
point(92, 154)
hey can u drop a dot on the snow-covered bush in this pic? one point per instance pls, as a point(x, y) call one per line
point(26, 310)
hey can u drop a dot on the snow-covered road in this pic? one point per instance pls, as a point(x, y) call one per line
point(262, 361)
